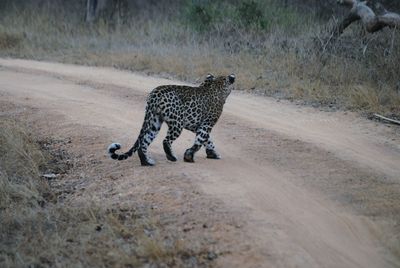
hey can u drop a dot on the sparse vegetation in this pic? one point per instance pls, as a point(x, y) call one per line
point(39, 230)
point(19, 168)
point(276, 50)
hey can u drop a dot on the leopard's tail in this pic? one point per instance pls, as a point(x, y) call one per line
point(113, 147)
point(116, 146)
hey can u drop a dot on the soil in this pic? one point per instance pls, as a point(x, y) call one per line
point(296, 186)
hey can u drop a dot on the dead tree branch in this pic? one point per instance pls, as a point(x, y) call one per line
point(373, 18)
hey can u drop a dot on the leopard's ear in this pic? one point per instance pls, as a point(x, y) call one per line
point(231, 78)
point(209, 77)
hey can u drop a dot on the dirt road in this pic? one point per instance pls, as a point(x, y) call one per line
point(313, 188)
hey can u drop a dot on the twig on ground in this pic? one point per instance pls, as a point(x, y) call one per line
point(387, 119)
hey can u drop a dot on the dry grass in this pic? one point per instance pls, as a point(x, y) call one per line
point(9, 41)
point(358, 71)
point(38, 231)
point(19, 167)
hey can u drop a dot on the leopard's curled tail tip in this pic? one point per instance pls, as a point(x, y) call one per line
point(112, 148)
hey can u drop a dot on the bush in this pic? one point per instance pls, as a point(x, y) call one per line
point(9, 40)
point(261, 16)
point(251, 14)
point(206, 15)
point(201, 15)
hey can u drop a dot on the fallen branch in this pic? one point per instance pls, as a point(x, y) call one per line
point(387, 119)
point(372, 21)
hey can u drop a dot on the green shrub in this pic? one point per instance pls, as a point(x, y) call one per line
point(201, 15)
point(289, 20)
point(262, 16)
point(251, 14)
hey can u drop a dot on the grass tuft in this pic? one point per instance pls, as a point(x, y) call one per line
point(10, 41)
point(20, 160)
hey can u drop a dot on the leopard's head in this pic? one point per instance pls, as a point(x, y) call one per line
point(221, 81)
point(223, 84)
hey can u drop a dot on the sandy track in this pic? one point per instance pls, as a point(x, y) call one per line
point(277, 161)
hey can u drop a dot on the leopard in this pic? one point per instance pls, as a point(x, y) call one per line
point(194, 108)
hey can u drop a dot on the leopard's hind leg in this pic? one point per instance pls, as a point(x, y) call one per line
point(174, 131)
point(150, 129)
point(210, 150)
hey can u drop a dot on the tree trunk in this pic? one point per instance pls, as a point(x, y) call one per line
point(93, 8)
